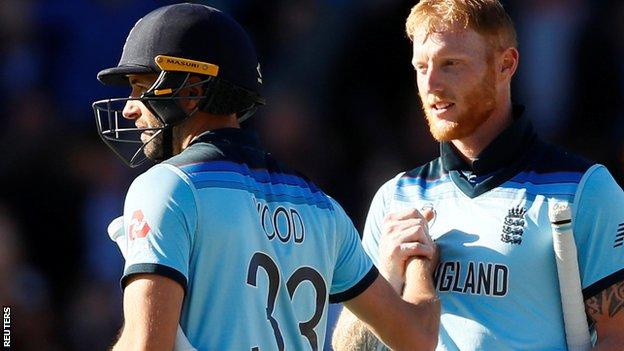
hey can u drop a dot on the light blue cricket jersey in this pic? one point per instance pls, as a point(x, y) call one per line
point(259, 249)
point(497, 277)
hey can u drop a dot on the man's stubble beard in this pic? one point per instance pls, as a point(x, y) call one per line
point(481, 102)
point(154, 148)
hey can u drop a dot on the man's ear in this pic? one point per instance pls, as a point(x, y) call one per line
point(509, 63)
point(194, 90)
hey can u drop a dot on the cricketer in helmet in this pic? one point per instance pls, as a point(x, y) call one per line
point(186, 76)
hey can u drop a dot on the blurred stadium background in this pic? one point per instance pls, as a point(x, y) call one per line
point(342, 108)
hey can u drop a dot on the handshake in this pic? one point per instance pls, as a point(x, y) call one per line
point(116, 233)
point(405, 239)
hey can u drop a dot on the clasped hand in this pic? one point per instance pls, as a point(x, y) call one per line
point(405, 236)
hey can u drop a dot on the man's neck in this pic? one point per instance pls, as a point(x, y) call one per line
point(199, 124)
point(471, 146)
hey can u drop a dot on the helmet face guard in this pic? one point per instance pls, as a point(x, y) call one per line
point(120, 134)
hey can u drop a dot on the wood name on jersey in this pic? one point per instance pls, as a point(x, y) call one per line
point(282, 223)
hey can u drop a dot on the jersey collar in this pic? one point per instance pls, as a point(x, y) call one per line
point(235, 136)
point(499, 161)
point(501, 152)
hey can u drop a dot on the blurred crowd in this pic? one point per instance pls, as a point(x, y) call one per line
point(342, 108)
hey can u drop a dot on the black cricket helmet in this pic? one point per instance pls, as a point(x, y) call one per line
point(178, 42)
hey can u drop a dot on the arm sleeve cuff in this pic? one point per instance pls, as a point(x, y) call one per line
point(357, 289)
point(153, 268)
point(602, 284)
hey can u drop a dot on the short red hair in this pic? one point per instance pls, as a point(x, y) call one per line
point(486, 17)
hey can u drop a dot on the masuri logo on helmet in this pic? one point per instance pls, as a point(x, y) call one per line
point(169, 63)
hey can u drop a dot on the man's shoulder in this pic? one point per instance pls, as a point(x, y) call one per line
point(424, 175)
point(420, 178)
point(551, 158)
point(257, 159)
point(157, 186)
point(209, 163)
